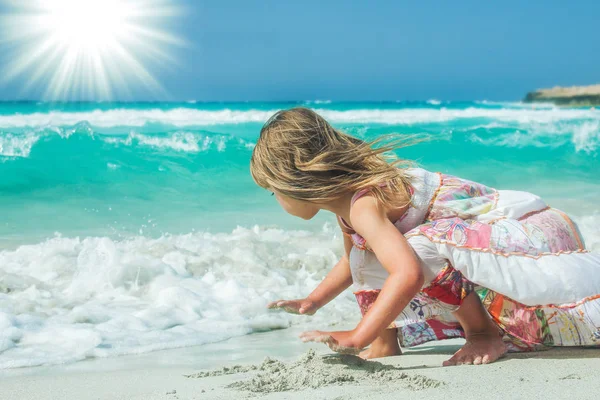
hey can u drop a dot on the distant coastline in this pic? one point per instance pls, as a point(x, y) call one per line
point(567, 96)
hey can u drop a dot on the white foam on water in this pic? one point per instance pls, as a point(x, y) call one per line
point(181, 117)
point(411, 116)
point(179, 141)
point(516, 104)
point(583, 135)
point(178, 117)
point(586, 136)
point(589, 226)
point(545, 127)
point(317, 102)
point(67, 299)
point(12, 145)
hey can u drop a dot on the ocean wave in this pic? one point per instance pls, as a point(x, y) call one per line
point(429, 115)
point(182, 117)
point(180, 141)
point(586, 136)
point(67, 299)
point(317, 102)
point(123, 117)
point(19, 145)
point(12, 145)
point(516, 104)
point(589, 225)
point(583, 135)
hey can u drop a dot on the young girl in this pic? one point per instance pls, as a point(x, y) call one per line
point(431, 256)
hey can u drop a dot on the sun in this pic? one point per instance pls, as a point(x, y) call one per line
point(88, 49)
point(87, 24)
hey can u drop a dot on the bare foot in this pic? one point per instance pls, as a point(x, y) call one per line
point(481, 348)
point(385, 345)
point(380, 352)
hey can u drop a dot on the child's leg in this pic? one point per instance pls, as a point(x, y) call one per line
point(385, 345)
point(484, 343)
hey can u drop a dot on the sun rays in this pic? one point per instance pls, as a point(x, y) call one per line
point(88, 49)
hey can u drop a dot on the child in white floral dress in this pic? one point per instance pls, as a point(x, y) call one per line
point(430, 256)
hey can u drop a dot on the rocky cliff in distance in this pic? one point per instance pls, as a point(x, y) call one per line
point(569, 96)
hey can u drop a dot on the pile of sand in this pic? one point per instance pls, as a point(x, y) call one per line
point(313, 371)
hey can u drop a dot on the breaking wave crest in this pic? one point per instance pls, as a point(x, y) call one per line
point(67, 299)
point(182, 117)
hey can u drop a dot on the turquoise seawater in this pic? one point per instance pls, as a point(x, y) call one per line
point(118, 170)
point(128, 227)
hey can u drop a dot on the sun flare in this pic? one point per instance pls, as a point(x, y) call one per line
point(87, 49)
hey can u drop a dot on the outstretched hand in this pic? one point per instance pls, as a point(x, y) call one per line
point(298, 306)
point(340, 342)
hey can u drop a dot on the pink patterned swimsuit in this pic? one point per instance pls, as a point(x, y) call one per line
point(526, 261)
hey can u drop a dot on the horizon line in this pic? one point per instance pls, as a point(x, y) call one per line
point(315, 101)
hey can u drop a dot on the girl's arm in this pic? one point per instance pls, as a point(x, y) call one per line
point(403, 283)
point(397, 257)
point(336, 281)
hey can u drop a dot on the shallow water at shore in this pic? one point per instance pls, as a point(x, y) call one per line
point(130, 228)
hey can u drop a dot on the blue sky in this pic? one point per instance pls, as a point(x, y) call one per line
point(375, 50)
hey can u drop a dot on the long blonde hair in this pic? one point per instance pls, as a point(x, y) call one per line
point(300, 155)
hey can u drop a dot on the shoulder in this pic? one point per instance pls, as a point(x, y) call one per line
point(366, 211)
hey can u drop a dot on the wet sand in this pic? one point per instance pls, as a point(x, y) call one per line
point(309, 371)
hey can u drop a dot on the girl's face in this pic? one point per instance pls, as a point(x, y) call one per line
point(297, 208)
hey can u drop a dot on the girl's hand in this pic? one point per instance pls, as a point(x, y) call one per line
point(298, 306)
point(340, 342)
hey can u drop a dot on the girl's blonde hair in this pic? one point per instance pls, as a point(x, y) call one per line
point(300, 155)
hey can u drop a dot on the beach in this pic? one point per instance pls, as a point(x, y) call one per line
point(179, 177)
point(309, 371)
point(137, 256)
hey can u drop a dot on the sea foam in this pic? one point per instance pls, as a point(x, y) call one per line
point(180, 141)
point(583, 135)
point(17, 145)
point(504, 127)
point(67, 299)
point(181, 117)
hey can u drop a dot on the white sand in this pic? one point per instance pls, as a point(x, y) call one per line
point(299, 374)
